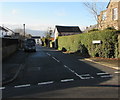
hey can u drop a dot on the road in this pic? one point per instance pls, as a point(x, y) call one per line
point(48, 73)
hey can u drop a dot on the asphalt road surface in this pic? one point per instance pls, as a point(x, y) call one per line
point(49, 73)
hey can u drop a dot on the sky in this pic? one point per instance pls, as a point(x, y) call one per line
point(41, 15)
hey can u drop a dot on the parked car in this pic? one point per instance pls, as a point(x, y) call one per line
point(29, 45)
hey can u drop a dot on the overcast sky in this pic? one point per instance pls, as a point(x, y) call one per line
point(41, 15)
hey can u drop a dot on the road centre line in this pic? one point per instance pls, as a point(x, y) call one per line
point(44, 83)
point(74, 72)
point(1, 88)
point(26, 85)
point(48, 54)
point(66, 80)
point(55, 59)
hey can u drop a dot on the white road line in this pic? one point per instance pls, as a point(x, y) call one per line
point(65, 66)
point(106, 76)
point(1, 88)
point(26, 85)
point(67, 80)
point(80, 76)
point(85, 75)
point(55, 59)
point(117, 72)
point(44, 83)
point(102, 73)
point(73, 72)
point(48, 54)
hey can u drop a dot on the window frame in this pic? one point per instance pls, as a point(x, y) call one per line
point(115, 13)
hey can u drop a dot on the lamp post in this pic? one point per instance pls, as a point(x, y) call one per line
point(24, 30)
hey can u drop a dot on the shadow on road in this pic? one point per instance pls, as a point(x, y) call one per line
point(74, 64)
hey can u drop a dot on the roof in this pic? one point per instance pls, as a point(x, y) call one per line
point(51, 38)
point(2, 28)
point(108, 4)
point(112, 1)
point(74, 29)
point(36, 37)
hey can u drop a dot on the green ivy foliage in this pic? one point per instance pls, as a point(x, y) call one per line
point(83, 43)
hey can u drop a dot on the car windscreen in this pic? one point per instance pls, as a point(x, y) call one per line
point(30, 42)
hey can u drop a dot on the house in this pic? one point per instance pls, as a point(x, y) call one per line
point(66, 30)
point(3, 31)
point(111, 16)
point(37, 39)
point(91, 27)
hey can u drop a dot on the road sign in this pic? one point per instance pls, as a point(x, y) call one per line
point(96, 41)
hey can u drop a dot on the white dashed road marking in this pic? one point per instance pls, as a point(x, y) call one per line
point(80, 76)
point(48, 54)
point(67, 80)
point(117, 72)
point(106, 76)
point(86, 76)
point(43, 83)
point(55, 59)
point(102, 73)
point(26, 85)
point(1, 88)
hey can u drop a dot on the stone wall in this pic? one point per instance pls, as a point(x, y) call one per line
point(7, 51)
point(109, 22)
point(8, 47)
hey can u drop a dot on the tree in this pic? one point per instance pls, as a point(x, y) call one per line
point(48, 35)
point(95, 10)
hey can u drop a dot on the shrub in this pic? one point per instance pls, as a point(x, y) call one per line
point(83, 43)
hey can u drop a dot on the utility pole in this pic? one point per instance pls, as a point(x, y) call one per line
point(24, 30)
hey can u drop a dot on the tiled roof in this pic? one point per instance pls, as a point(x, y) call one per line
point(36, 37)
point(2, 28)
point(64, 29)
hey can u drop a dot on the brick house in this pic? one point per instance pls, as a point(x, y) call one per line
point(111, 16)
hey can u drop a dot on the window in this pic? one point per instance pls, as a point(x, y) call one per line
point(115, 14)
point(104, 16)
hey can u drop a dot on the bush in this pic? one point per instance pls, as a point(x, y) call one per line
point(93, 30)
point(83, 43)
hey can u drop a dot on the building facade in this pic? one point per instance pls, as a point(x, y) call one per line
point(111, 16)
point(37, 39)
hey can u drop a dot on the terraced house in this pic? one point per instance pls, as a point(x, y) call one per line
point(111, 16)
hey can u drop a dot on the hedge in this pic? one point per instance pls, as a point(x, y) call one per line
point(82, 43)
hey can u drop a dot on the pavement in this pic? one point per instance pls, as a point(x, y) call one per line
point(53, 74)
point(112, 63)
point(11, 68)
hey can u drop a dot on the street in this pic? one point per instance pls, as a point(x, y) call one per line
point(48, 73)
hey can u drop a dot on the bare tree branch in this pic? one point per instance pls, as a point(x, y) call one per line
point(94, 10)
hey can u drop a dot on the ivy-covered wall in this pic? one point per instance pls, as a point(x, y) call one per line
point(82, 43)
